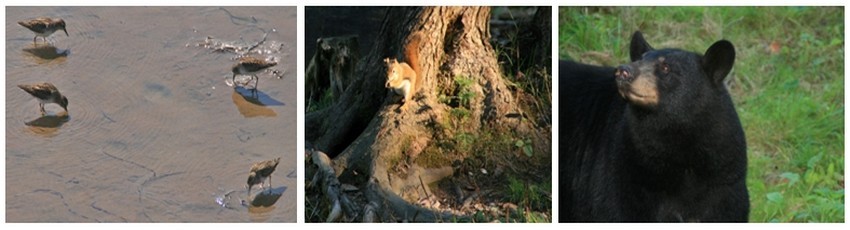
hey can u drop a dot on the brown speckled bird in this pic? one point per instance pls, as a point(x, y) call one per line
point(44, 26)
point(260, 172)
point(46, 93)
point(250, 66)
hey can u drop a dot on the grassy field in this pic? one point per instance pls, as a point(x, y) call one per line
point(787, 83)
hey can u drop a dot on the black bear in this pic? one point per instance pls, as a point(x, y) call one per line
point(657, 139)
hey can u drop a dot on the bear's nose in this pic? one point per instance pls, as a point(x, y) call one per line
point(623, 72)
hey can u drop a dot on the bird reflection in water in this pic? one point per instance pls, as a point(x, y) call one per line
point(253, 103)
point(46, 53)
point(49, 124)
point(262, 204)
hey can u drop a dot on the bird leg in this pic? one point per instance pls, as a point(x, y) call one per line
point(270, 181)
point(41, 107)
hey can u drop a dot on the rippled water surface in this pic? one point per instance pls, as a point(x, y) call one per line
point(154, 133)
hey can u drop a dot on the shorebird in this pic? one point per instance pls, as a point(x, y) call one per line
point(250, 66)
point(44, 26)
point(260, 171)
point(46, 93)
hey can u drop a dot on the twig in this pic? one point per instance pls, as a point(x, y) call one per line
point(423, 186)
point(266, 34)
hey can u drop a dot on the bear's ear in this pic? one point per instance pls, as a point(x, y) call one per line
point(639, 46)
point(718, 60)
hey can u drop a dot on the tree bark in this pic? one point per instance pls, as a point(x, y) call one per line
point(372, 144)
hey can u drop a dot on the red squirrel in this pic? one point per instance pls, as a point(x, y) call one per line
point(405, 78)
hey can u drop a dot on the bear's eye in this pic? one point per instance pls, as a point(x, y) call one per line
point(665, 68)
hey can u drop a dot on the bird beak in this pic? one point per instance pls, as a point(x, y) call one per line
point(66, 32)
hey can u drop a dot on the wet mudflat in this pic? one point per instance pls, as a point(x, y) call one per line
point(153, 132)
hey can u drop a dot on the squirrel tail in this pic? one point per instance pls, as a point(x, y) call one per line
point(411, 54)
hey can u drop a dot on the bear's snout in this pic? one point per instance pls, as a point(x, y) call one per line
point(624, 72)
point(624, 76)
point(635, 86)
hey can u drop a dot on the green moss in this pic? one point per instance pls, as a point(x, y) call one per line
point(325, 101)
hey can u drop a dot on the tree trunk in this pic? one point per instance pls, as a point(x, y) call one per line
point(374, 146)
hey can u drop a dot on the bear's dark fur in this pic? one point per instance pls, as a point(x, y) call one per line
point(657, 139)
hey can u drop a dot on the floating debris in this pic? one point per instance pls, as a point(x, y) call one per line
point(224, 200)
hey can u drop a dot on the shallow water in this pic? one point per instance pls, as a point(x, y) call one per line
point(154, 133)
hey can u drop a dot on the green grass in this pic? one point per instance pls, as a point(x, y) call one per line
point(527, 194)
point(787, 83)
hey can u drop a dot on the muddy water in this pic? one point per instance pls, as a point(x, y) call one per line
point(154, 133)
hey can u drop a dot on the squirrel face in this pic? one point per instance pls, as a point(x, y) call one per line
point(392, 71)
